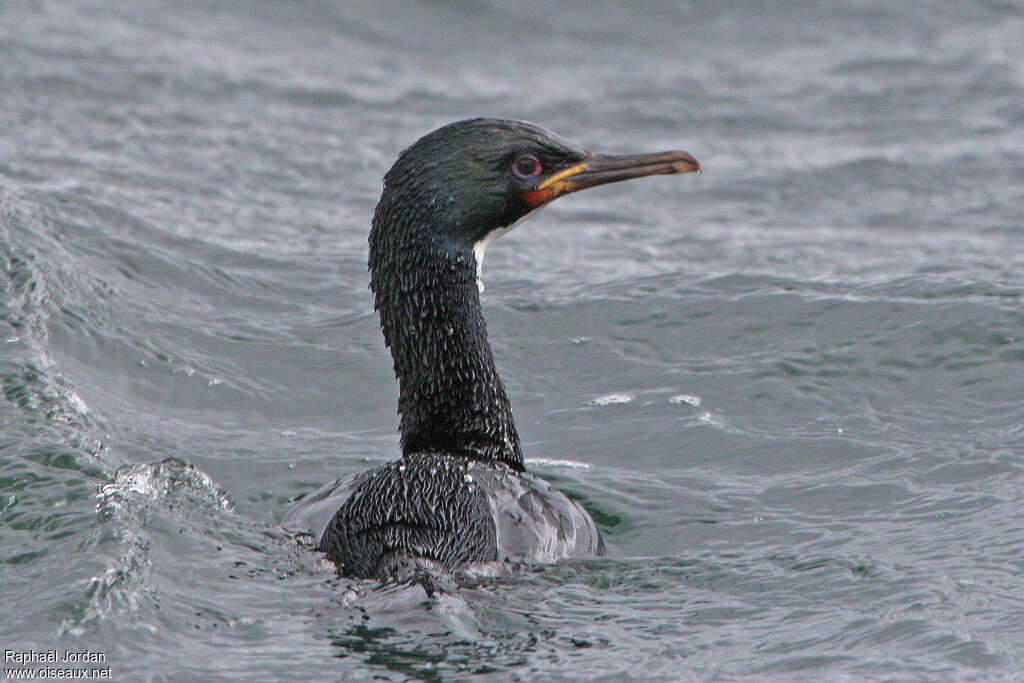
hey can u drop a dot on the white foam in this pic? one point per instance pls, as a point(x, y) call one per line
point(551, 462)
point(611, 400)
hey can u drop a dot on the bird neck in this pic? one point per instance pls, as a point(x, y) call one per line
point(450, 398)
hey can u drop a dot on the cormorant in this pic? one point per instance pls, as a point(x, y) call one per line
point(460, 494)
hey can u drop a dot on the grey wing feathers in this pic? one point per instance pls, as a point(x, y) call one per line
point(312, 514)
point(537, 523)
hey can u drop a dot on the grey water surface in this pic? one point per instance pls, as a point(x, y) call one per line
point(790, 390)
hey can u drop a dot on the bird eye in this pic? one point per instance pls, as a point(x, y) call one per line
point(526, 166)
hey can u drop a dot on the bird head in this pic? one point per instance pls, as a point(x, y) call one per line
point(470, 181)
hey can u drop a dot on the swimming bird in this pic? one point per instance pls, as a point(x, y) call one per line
point(460, 494)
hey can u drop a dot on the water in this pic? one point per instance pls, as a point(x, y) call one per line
point(790, 390)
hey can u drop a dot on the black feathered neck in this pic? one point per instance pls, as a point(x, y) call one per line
point(423, 273)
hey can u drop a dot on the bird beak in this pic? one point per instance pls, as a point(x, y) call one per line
point(599, 169)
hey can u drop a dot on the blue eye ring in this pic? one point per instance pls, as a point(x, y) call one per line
point(526, 166)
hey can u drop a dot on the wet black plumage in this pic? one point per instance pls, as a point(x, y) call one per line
point(459, 495)
point(425, 508)
point(440, 199)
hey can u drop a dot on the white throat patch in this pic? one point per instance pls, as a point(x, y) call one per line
point(481, 246)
